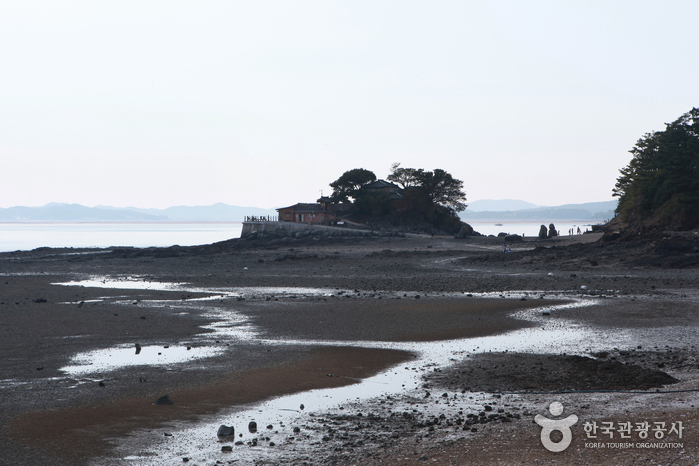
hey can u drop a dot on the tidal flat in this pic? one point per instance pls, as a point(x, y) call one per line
point(415, 350)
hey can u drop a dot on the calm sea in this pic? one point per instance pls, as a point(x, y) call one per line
point(27, 236)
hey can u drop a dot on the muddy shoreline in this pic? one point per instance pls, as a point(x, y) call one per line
point(379, 289)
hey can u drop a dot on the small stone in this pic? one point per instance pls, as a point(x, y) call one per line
point(302, 407)
point(226, 448)
point(163, 400)
point(252, 427)
point(270, 427)
point(297, 430)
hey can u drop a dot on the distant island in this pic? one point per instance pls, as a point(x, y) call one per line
point(479, 211)
point(509, 210)
point(57, 212)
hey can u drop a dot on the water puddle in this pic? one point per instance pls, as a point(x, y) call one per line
point(140, 283)
point(111, 359)
point(124, 283)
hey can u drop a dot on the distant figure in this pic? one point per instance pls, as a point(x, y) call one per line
point(579, 232)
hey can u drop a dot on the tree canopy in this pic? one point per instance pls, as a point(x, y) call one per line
point(438, 185)
point(348, 185)
point(661, 182)
point(426, 198)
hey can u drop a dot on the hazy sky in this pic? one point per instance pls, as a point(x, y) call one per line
point(262, 103)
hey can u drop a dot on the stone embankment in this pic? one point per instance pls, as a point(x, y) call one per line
point(280, 230)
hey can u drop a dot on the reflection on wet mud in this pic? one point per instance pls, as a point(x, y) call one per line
point(548, 336)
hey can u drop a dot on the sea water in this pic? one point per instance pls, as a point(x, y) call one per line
point(27, 236)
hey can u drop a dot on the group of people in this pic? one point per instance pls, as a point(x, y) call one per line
point(573, 232)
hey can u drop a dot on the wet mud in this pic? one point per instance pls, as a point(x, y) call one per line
point(390, 296)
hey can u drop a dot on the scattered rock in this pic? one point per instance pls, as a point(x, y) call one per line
point(225, 431)
point(465, 231)
point(163, 400)
point(252, 427)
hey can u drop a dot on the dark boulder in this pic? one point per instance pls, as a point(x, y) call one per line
point(225, 431)
point(163, 400)
point(465, 231)
point(552, 231)
point(543, 232)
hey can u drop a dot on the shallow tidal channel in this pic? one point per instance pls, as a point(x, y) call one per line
point(276, 418)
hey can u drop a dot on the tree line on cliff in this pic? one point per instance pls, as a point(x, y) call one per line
point(659, 188)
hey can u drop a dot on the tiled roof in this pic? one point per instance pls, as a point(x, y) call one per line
point(380, 184)
point(301, 207)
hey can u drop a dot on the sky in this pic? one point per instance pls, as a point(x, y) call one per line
point(264, 103)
